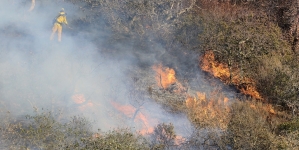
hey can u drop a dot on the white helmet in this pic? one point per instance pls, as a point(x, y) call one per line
point(62, 12)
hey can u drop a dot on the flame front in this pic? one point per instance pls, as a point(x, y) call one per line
point(165, 76)
point(218, 70)
point(228, 75)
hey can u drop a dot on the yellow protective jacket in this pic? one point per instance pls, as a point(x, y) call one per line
point(61, 19)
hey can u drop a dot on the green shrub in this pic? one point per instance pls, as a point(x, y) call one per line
point(289, 126)
point(116, 139)
point(248, 128)
point(44, 131)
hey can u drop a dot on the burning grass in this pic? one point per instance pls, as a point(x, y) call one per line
point(208, 112)
point(203, 111)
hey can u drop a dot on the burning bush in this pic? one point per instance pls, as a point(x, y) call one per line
point(165, 76)
point(228, 74)
point(250, 51)
point(166, 79)
point(167, 89)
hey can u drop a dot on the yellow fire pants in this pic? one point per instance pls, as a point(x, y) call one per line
point(56, 27)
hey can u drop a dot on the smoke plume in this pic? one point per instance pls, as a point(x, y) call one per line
point(71, 76)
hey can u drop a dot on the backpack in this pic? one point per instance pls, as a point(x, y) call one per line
point(55, 19)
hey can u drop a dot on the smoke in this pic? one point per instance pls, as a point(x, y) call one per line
point(39, 73)
point(36, 73)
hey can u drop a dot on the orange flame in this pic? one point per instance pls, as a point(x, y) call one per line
point(125, 109)
point(165, 76)
point(130, 111)
point(78, 98)
point(218, 70)
point(179, 140)
point(87, 106)
point(224, 73)
point(210, 112)
point(201, 96)
point(146, 127)
point(190, 101)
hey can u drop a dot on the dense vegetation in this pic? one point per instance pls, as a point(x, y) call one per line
point(257, 37)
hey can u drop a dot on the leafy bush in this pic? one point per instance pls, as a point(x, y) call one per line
point(45, 131)
point(248, 127)
point(116, 139)
point(289, 126)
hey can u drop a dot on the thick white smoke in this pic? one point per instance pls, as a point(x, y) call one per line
point(36, 73)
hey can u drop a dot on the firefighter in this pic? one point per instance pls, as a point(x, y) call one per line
point(59, 20)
